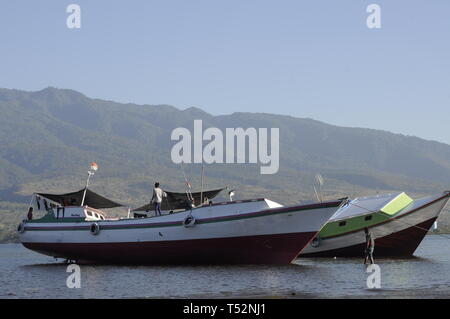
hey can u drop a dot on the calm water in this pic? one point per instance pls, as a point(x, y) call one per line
point(24, 273)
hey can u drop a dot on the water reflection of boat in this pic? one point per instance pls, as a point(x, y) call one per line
point(257, 231)
point(397, 222)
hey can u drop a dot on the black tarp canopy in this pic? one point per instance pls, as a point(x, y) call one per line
point(180, 200)
point(92, 199)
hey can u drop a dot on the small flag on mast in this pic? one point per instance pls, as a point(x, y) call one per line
point(94, 166)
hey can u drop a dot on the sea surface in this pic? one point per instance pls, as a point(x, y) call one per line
point(26, 274)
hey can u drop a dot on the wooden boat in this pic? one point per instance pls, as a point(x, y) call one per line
point(257, 231)
point(397, 223)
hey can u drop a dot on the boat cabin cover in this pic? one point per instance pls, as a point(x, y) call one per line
point(389, 204)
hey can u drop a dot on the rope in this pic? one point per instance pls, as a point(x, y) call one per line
point(188, 185)
point(397, 219)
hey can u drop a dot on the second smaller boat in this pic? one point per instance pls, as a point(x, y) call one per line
point(397, 223)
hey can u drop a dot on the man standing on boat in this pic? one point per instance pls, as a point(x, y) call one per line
point(370, 246)
point(157, 197)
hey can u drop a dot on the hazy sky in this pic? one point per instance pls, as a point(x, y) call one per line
point(312, 59)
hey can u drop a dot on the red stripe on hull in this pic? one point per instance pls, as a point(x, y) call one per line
point(400, 244)
point(263, 249)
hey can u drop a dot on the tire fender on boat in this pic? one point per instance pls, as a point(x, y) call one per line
point(315, 242)
point(95, 228)
point(21, 228)
point(189, 221)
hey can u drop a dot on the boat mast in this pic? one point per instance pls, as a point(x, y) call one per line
point(188, 186)
point(91, 171)
point(201, 190)
point(319, 181)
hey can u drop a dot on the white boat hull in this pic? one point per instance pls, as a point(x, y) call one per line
point(232, 233)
